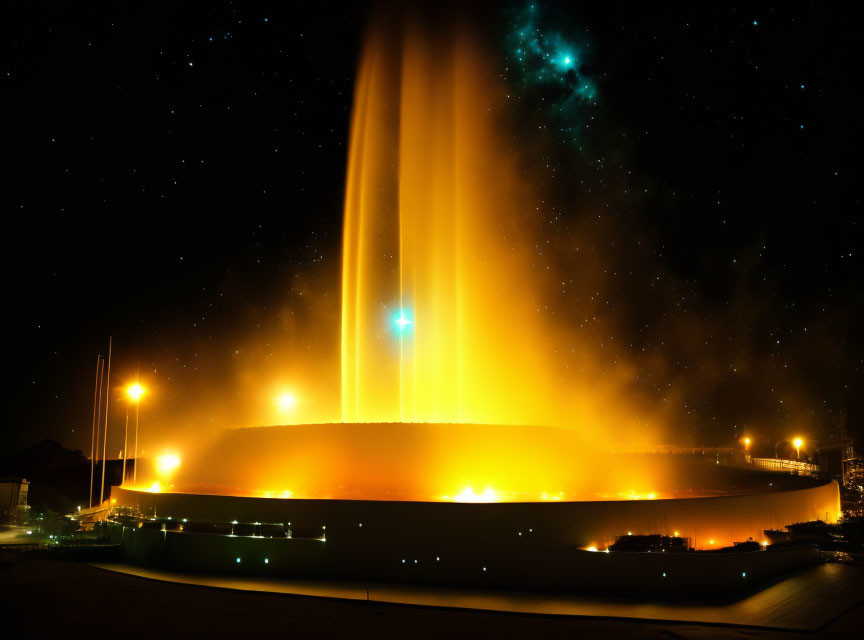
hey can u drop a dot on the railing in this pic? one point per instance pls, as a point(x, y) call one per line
point(786, 466)
point(233, 529)
point(676, 450)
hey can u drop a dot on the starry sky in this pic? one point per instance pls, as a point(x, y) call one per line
point(174, 175)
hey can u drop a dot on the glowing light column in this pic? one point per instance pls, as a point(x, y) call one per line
point(134, 392)
point(403, 324)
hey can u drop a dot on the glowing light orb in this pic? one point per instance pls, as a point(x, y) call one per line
point(135, 391)
point(167, 464)
point(797, 442)
point(402, 322)
point(286, 401)
point(154, 488)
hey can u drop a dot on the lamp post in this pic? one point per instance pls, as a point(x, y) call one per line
point(134, 392)
point(125, 449)
point(798, 442)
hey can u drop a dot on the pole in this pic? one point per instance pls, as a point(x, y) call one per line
point(99, 411)
point(135, 466)
point(843, 449)
point(93, 431)
point(105, 436)
point(125, 439)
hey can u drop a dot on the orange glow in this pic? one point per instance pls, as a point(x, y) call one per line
point(154, 488)
point(554, 497)
point(134, 392)
point(421, 461)
point(167, 464)
point(443, 323)
point(468, 495)
point(798, 442)
point(435, 211)
point(286, 401)
point(746, 443)
point(425, 187)
point(637, 496)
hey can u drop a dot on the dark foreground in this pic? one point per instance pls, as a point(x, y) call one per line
point(42, 596)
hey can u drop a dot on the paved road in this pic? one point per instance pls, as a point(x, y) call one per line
point(42, 596)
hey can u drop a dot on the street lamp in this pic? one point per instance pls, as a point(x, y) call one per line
point(798, 442)
point(746, 443)
point(134, 392)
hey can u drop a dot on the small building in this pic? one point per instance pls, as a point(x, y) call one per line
point(13, 500)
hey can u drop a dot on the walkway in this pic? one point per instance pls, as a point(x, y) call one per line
point(806, 601)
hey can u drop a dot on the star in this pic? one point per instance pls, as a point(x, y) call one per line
point(402, 322)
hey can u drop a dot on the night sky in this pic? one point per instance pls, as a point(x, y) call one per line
point(174, 177)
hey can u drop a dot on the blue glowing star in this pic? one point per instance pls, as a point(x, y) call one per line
point(402, 322)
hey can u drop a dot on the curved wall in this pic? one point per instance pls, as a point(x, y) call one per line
point(437, 462)
point(408, 526)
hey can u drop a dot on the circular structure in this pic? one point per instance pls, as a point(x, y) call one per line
point(217, 511)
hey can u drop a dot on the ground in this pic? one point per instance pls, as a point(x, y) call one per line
point(43, 596)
